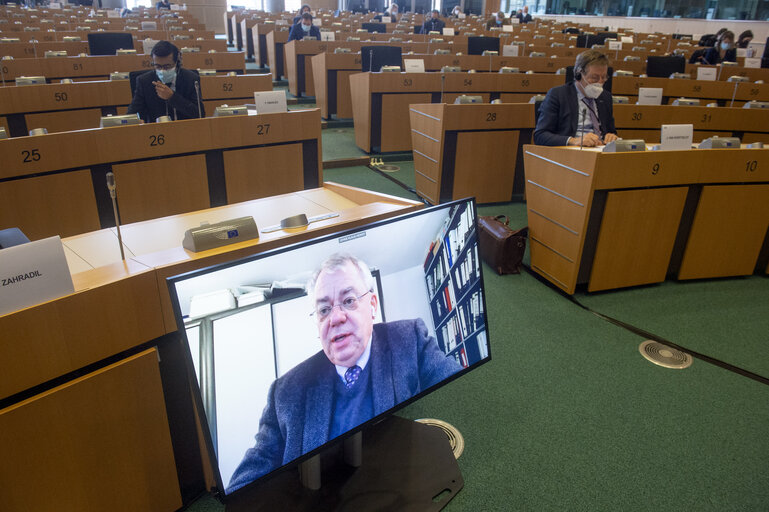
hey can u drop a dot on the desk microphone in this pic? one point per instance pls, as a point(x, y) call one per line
point(113, 194)
point(370, 60)
point(582, 136)
point(443, 81)
point(197, 94)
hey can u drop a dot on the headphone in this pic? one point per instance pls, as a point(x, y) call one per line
point(578, 73)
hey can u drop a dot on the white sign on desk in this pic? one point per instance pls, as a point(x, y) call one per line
point(676, 136)
point(461, 15)
point(317, 22)
point(627, 39)
point(510, 50)
point(33, 273)
point(615, 45)
point(706, 74)
point(386, 19)
point(752, 62)
point(507, 28)
point(448, 31)
point(328, 36)
point(270, 101)
point(649, 96)
point(113, 14)
point(414, 65)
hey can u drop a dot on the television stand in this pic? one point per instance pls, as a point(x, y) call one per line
point(405, 466)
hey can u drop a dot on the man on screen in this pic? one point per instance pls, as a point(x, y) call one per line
point(362, 371)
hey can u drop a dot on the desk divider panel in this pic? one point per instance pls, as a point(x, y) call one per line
point(393, 137)
point(160, 187)
point(262, 172)
point(492, 156)
point(64, 121)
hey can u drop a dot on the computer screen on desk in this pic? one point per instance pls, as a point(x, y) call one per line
point(664, 66)
point(294, 348)
point(476, 45)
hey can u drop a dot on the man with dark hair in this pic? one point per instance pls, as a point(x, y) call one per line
point(303, 29)
point(298, 18)
point(362, 370)
point(163, 4)
point(168, 90)
point(579, 113)
point(434, 23)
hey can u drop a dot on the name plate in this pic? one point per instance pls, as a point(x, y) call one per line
point(615, 45)
point(507, 28)
point(328, 36)
point(448, 31)
point(270, 101)
point(706, 74)
point(386, 19)
point(33, 273)
point(414, 65)
point(510, 50)
point(752, 62)
point(676, 136)
point(649, 96)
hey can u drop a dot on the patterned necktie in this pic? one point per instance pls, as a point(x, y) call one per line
point(351, 375)
point(590, 102)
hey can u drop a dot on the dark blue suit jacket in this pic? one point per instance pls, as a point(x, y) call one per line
point(559, 116)
point(404, 361)
point(297, 34)
point(184, 102)
point(433, 25)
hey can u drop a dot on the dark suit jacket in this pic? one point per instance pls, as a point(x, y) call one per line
point(404, 361)
point(559, 115)
point(433, 25)
point(522, 18)
point(150, 106)
point(297, 34)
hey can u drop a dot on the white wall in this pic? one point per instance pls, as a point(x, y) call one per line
point(411, 304)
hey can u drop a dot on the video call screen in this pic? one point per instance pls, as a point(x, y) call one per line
point(287, 358)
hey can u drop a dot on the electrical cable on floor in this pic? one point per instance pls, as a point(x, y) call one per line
point(651, 336)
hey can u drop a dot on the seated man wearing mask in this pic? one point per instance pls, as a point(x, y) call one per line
point(169, 90)
point(497, 21)
point(579, 112)
point(434, 23)
point(303, 29)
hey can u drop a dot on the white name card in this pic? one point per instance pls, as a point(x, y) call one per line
point(649, 96)
point(507, 28)
point(328, 36)
point(461, 15)
point(317, 22)
point(706, 74)
point(414, 65)
point(514, 21)
point(54, 5)
point(615, 45)
point(270, 101)
point(448, 31)
point(752, 62)
point(386, 19)
point(626, 39)
point(281, 22)
point(676, 136)
point(33, 273)
point(742, 52)
point(510, 50)
point(113, 14)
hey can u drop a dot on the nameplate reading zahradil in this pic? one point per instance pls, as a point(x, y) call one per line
point(33, 273)
point(270, 101)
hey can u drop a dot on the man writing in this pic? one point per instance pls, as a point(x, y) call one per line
point(304, 28)
point(580, 112)
point(169, 90)
point(363, 370)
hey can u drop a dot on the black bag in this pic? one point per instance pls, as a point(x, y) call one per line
point(501, 247)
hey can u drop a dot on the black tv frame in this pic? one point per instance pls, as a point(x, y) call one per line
point(373, 57)
point(663, 66)
point(476, 45)
point(275, 475)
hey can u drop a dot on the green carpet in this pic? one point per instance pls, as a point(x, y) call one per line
point(340, 143)
point(727, 319)
point(363, 177)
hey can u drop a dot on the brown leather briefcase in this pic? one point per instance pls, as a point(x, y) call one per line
point(501, 247)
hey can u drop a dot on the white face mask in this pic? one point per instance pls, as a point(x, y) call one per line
point(593, 90)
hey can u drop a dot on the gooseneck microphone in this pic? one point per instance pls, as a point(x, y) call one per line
point(197, 94)
point(370, 60)
point(113, 194)
point(443, 83)
point(582, 127)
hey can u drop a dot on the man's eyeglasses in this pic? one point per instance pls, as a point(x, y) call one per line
point(164, 67)
point(596, 78)
point(350, 303)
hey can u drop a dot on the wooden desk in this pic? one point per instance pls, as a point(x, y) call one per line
point(719, 91)
point(613, 220)
point(381, 100)
point(470, 150)
point(86, 362)
point(80, 105)
point(645, 121)
point(99, 67)
point(55, 184)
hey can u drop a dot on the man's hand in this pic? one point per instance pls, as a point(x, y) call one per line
point(162, 90)
point(589, 140)
point(609, 137)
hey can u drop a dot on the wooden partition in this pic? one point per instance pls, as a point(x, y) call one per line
point(612, 220)
point(55, 184)
point(470, 150)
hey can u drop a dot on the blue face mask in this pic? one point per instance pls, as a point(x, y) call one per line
point(306, 28)
point(166, 76)
point(725, 46)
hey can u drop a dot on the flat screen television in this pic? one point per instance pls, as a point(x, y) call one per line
point(374, 57)
point(476, 45)
point(269, 338)
point(374, 27)
point(663, 67)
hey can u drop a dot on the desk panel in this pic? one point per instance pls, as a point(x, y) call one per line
point(65, 120)
point(63, 459)
point(492, 155)
point(263, 172)
point(156, 188)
